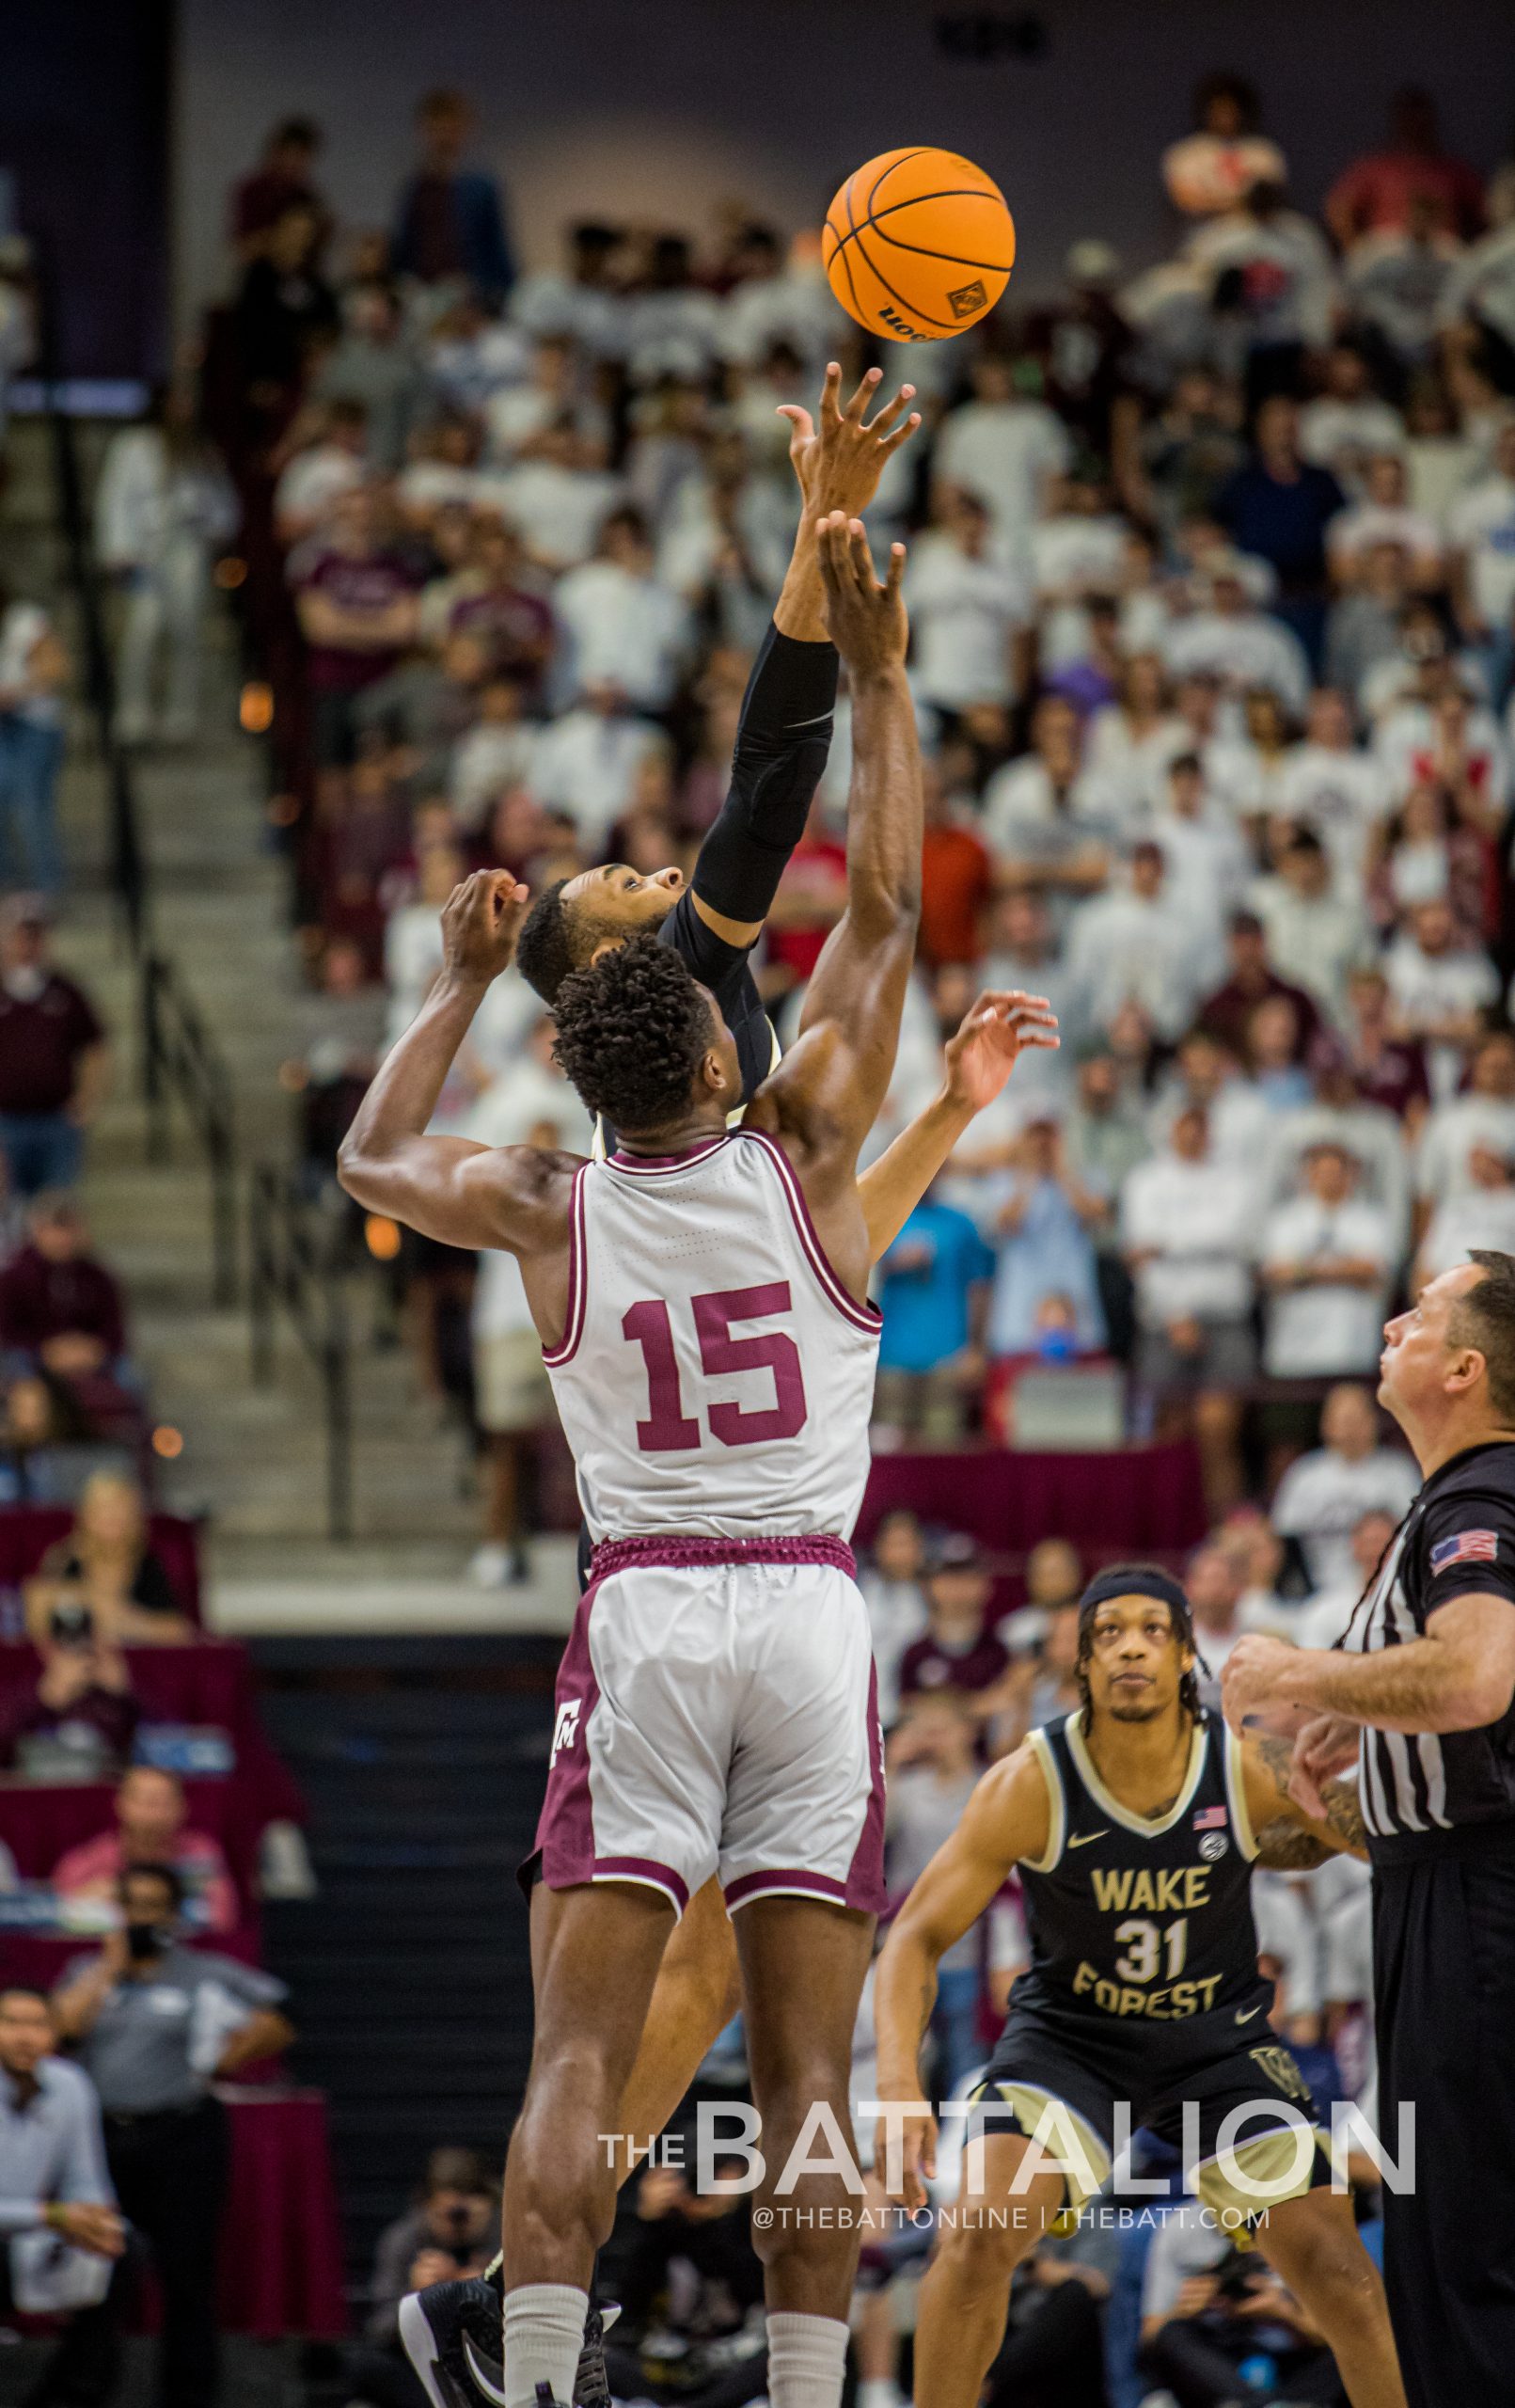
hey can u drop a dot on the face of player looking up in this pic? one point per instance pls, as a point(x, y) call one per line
point(623, 903)
point(1135, 1659)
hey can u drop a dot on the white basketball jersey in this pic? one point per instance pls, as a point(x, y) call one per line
point(714, 1377)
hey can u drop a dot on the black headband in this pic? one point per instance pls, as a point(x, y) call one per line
point(1138, 1580)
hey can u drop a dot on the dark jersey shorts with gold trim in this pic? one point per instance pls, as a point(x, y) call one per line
point(1144, 1985)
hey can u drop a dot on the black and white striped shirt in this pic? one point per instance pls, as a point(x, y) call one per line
point(1457, 1539)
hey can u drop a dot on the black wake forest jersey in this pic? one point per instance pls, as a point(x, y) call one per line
point(1457, 1539)
point(1144, 1930)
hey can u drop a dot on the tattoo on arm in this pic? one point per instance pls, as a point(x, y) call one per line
point(1283, 1846)
point(1292, 1842)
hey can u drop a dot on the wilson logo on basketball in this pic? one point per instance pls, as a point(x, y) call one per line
point(969, 300)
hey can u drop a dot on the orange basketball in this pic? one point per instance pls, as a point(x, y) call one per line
point(918, 244)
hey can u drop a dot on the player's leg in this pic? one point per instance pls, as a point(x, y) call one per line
point(697, 1992)
point(595, 1952)
point(1005, 2203)
point(803, 1965)
point(1312, 2242)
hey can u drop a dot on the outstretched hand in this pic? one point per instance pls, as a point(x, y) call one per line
point(1001, 1027)
point(838, 458)
point(480, 922)
point(866, 621)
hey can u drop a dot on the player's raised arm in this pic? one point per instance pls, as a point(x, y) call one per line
point(512, 1196)
point(1007, 1819)
point(785, 733)
point(1289, 1837)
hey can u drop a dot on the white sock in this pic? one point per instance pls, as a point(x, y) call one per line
point(807, 2361)
point(878, 2391)
point(543, 2336)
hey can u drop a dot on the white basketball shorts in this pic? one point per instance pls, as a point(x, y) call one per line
point(717, 1713)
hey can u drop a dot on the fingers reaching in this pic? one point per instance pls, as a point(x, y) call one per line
point(861, 558)
point(895, 576)
point(889, 417)
point(832, 393)
point(873, 378)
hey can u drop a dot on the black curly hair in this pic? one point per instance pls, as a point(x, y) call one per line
point(557, 940)
point(632, 1028)
point(1139, 1580)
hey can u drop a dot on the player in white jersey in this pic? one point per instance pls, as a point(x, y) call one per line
point(714, 1709)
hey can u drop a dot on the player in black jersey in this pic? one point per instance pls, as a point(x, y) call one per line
point(1421, 1689)
point(1135, 1825)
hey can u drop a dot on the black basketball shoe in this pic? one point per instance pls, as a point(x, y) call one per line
point(453, 2335)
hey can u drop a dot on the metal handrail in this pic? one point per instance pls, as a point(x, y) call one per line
point(296, 1259)
point(182, 1063)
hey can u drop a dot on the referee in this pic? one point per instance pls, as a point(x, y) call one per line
point(1420, 1689)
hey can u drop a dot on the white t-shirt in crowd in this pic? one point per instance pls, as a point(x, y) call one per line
point(1121, 947)
point(557, 512)
point(1483, 1216)
point(1003, 451)
point(313, 478)
point(1340, 794)
point(1133, 769)
point(964, 613)
point(1200, 1217)
point(586, 764)
point(1322, 1497)
point(1330, 1327)
point(1450, 1134)
point(629, 631)
point(1482, 525)
point(1338, 435)
point(1246, 648)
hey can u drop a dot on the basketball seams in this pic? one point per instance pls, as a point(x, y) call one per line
point(909, 307)
point(843, 240)
point(921, 152)
point(953, 259)
point(966, 192)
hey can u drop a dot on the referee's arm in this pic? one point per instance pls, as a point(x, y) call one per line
point(1461, 1676)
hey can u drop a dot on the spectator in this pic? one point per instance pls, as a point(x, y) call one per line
point(1378, 192)
point(283, 306)
point(284, 177)
point(1253, 979)
point(892, 1584)
point(957, 1650)
point(1205, 861)
point(1330, 785)
point(1317, 933)
point(1278, 508)
point(1135, 946)
point(450, 224)
point(108, 1563)
point(621, 626)
point(163, 507)
point(970, 611)
point(1322, 1498)
point(1481, 524)
point(933, 1770)
point(54, 2189)
point(155, 2024)
point(61, 1308)
point(331, 462)
point(1005, 445)
point(690, 2288)
point(1043, 815)
point(1348, 422)
point(957, 877)
point(1207, 2310)
point(1325, 1619)
point(45, 1448)
point(587, 763)
point(152, 1829)
point(1441, 986)
point(1188, 1222)
point(54, 1063)
point(1209, 171)
point(1046, 1248)
point(1270, 286)
point(1327, 1257)
point(1232, 639)
point(1023, 953)
point(78, 1719)
point(933, 1292)
point(357, 602)
point(33, 665)
point(448, 2236)
point(1214, 1579)
point(372, 363)
point(1480, 1213)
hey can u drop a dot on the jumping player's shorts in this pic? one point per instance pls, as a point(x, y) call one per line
point(717, 1713)
point(1061, 2085)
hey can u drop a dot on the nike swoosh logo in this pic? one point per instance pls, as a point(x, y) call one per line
point(821, 719)
point(484, 2374)
point(1088, 1838)
point(1250, 2013)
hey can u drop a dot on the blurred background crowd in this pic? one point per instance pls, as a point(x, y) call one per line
point(1213, 591)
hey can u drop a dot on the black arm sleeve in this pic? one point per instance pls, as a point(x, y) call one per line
point(782, 745)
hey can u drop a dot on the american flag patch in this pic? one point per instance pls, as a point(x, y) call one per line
point(1469, 1546)
point(1209, 1818)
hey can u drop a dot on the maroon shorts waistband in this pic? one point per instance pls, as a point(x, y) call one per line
point(628, 1555)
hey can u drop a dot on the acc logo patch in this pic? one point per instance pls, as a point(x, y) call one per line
point(1213, 1847)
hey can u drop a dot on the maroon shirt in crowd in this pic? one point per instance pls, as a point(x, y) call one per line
point(41, 1042)
point(111, 1714)
point(40, 1300)
point(372, 582)
point(1227, 1013)
point(928, 1665)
